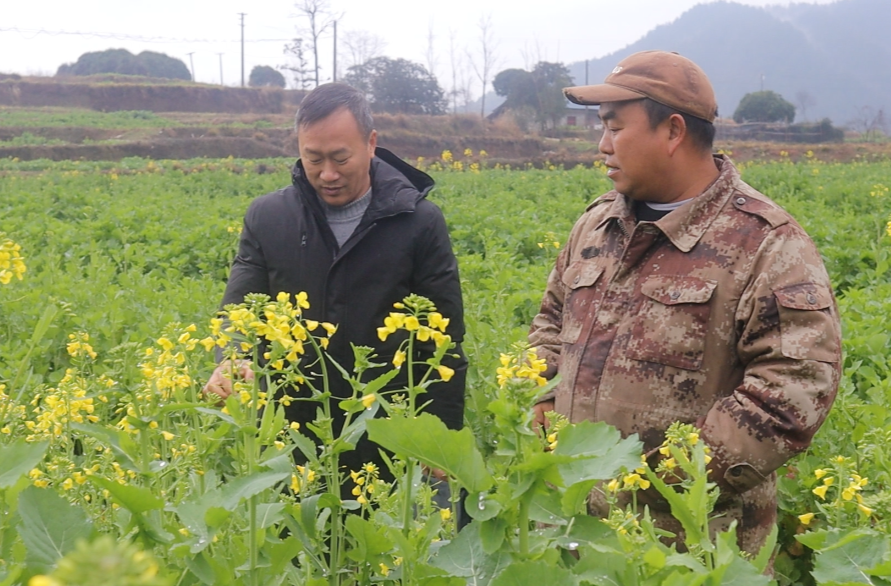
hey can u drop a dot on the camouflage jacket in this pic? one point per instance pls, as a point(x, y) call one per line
point(720, 314)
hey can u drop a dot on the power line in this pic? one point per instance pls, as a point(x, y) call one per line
point(120, 37)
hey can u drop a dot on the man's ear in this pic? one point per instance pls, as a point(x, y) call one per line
point(677, 131)
point(372, 142)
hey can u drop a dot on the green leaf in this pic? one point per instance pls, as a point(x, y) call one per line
point(534, 574)
point(599, 451)
point(465, 557)
point(814, 539)
point(850, 558)
point(49, 314)
point(654, 558)
point(371, 541)
point(49, 527)
point(492, 534)
point(584, 530)
point(120, 442)
point(247, 486)
point(17, 459)
point(350, 436)
point(482, 506)
point(427, 439)
point(679, 509)
point(575, 498)
point(136, 499)
point(216, 413)
point(546, 508)
point(268, 514)
point(732, 569)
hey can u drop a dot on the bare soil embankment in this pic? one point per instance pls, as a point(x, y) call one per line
point(112, 96)
point(213, 121)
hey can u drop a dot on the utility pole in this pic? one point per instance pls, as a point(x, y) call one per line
point(192, 65)
point(220, 55)
point(242, 47)
point(335, 51)
point(587, 121)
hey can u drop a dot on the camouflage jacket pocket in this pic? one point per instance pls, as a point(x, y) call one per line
point(806, 319)
point(673, 321)
point(578, 280)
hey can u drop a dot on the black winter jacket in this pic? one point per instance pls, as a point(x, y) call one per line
point(401, 246)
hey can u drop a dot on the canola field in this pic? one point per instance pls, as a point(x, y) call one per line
point(114, 470)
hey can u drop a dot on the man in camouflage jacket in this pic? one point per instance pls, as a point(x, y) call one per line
point(686, 295)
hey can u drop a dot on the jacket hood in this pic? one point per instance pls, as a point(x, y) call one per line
point(396, 185)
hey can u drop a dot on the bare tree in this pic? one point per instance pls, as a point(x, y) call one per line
point(870, 123)
point(454, 62)
point(362, 46)
point(804, 100)
point(298, 67)
point(486, 60)
point(320, 19)
point(430, 55)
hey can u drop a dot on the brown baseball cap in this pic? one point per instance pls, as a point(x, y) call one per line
point(665, 77)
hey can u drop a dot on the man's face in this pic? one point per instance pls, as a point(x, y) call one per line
point(336, 157)
point(636, 154)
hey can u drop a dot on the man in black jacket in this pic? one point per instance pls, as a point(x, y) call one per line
point(355, 232)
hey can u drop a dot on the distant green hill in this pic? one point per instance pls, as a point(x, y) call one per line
point(833, 58)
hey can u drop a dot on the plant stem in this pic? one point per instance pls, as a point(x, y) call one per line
point(524, 524)
point(250, 446)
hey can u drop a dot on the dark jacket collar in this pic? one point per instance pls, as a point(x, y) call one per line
point(396, 186)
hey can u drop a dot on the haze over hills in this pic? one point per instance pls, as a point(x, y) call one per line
point(834, 58)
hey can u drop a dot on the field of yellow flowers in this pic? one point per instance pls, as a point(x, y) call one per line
point(115, 470)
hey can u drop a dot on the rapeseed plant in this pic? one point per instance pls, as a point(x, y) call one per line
point(12, 263)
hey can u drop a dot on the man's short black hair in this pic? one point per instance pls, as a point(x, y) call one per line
point(330, 97)
point(702, 132)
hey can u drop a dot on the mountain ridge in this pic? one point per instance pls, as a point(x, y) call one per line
point(826, 57)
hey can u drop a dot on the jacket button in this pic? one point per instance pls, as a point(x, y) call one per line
point(576, 280)
point(811, 298)
point(674, 294)
point(740, 200)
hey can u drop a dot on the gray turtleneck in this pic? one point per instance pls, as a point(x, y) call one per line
point(344, 219)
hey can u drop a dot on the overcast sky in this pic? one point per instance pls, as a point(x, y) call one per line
point(37, 36)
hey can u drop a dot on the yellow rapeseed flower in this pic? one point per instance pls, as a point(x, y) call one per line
point(806, 518)
point(820, 473)
point(41, 580)
point(820, 491)
point(635, 479)
point(398, 358)
point(445, 372)
point(12, 263)
point(368, 400)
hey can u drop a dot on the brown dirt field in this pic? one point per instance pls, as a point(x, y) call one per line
point(114, 96)
point(252, 123)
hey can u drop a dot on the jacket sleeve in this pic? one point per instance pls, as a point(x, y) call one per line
point(436, 278)
point(248, 273)
point(789, 342)
point(544, 334)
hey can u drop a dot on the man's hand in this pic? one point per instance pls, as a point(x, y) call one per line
point(540, 409)
point(220, 383)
